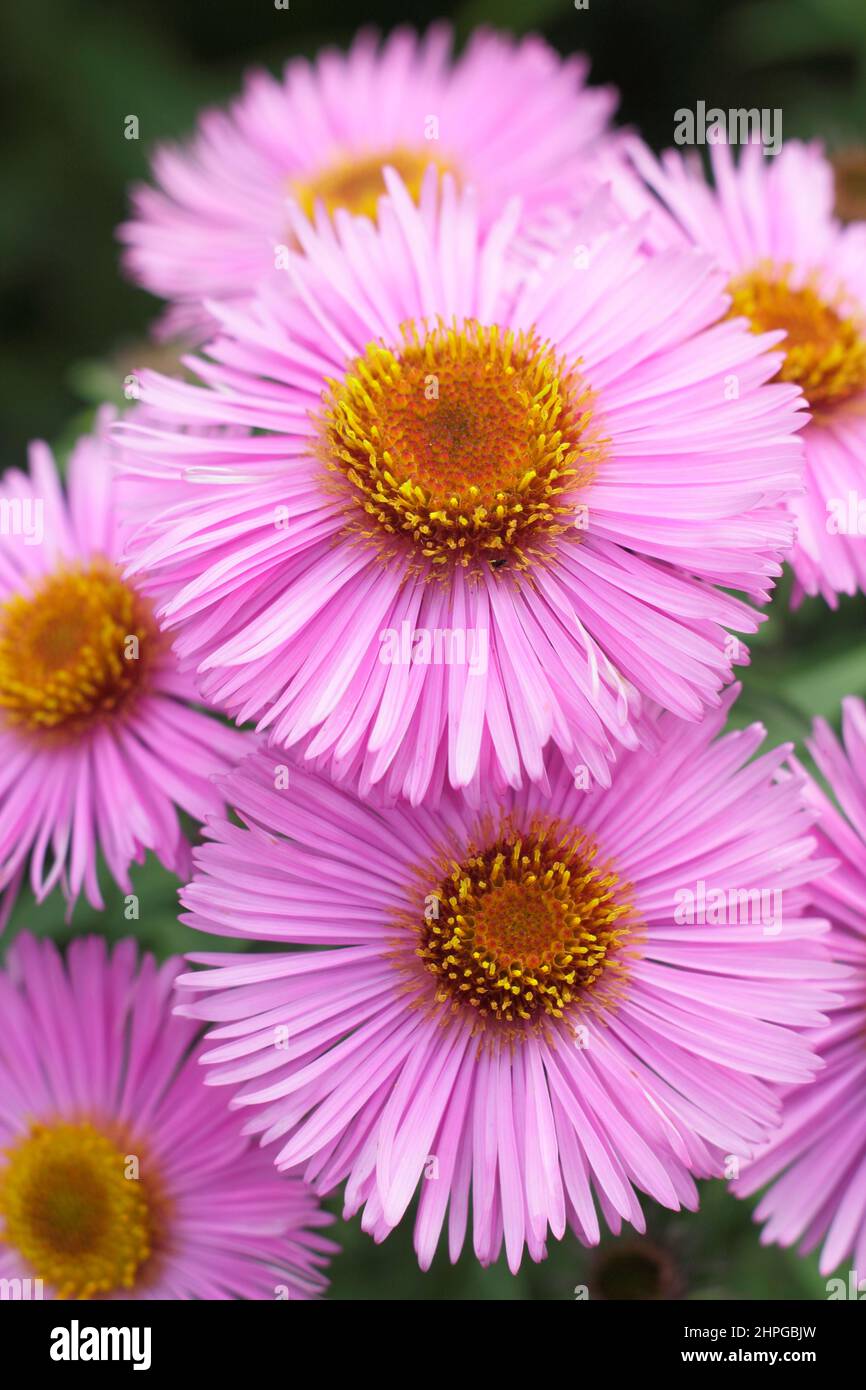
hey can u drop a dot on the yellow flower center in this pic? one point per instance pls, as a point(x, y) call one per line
point(825, 351)
point(71, 1211)
point(525, 927)
point(467, 440)
point(355, 182)
point(73, 650)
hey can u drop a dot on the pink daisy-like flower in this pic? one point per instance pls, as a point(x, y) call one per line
point(538, 1007)
point(791, 266)
point(509, 116)
point(98, 747)
point(473, 518)
point(818, 1157)
point(121, 1176)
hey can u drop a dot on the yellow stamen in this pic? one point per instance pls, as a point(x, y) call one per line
point(73, 1212)
point(523, 927)
point(468, 440)
point(73, 650)
point(355, 182)
point(825, 350)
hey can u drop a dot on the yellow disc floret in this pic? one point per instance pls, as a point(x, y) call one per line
point(523, 926)
point(468, 441)
point(73, 650)
point(825, 349)
point(72, 1210)
point(355, 182)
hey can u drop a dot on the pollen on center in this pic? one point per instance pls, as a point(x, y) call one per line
point(355, 181)
point(525, 925)
point(74, 650)
point(467, 442)
point(824, 346)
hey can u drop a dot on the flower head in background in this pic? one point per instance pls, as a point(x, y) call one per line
point(508, 117)
point(98, 745)
point(539, 1009)
point(817, 1161)
point(792, 268)
point(121, 1176)
point(470, 519)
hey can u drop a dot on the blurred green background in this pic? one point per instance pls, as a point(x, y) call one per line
point(71, 71)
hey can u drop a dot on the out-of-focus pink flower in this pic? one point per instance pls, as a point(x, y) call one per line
point(791, 266)
point(817, 1160)
point(99, 747)
point(510, 116)
point(121, 1176)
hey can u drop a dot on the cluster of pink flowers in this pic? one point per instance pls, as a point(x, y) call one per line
point(496, 434)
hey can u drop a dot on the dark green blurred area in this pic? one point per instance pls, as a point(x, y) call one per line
point(72, 71)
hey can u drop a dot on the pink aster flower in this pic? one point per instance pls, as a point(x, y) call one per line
point(818, 1157)
point(121, 1176)
point(509, 116)
point(538, 1008)
point(472, 519)
point(98, 746)
point(793, 268)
